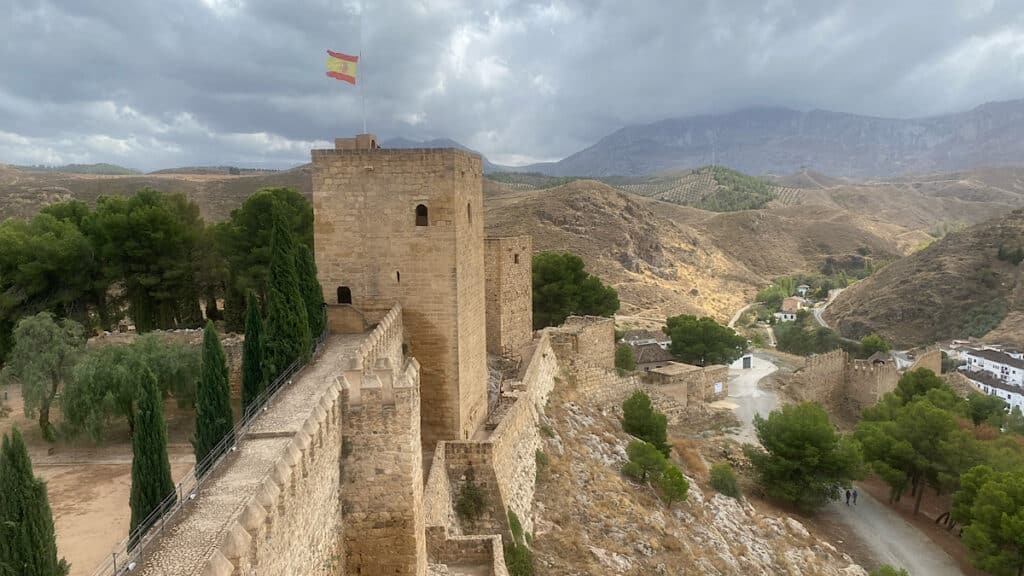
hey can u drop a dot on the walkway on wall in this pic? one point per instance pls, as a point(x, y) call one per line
point(186, 544)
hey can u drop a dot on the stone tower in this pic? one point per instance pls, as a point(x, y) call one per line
point(406, 226)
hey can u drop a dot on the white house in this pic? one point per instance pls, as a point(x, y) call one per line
point(989, 384)
point(802, 289)
point(785, 316)
point(1006, 366)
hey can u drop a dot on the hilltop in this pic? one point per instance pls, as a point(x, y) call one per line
point(782, 141)
point(957, 287)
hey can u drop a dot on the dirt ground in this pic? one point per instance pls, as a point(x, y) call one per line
point(89, 484)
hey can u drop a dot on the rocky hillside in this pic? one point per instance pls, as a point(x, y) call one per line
point(781, 141)
point(590, 520)
point(958, 286)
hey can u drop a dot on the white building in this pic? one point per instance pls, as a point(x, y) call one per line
point(987, 383)
point(996, 372)
point(785, 316)
point(1006, 366)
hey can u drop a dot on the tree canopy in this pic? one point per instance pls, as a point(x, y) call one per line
point(640, 419)
point(873, 343)
point(803, 462)
point(44, 353)
point(561, 288)
point(287, 336)
point(702, 341)
point(253, 380)
point(152, 486)
point(214, 420)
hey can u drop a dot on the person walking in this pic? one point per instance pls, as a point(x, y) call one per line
point(854, 493)
point(847, 497)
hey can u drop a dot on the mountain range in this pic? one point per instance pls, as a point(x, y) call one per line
point(783, 141)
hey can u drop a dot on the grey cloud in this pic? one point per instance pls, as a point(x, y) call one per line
point(173, 82)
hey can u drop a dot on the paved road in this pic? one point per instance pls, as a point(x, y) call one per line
point(818, 310)
point(747, 397)
point(892, 539)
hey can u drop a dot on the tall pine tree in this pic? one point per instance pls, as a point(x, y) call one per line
point(151, 470)
point(253, 383)
point(28, 545)
point(213, 402)
point(313, 296)
point(287, 337)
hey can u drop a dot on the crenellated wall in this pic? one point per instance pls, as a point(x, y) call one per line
point(381, 467)
point(866, 383)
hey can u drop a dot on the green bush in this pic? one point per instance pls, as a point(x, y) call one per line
point(983, 318)
point(561, 287)
point(888, 570)
point(542, 461)
point(674, 486)
point(518, 558)
point(471, 501)
point(645, 461)
point(624, 359)
point(723, 479)
point(640, 419)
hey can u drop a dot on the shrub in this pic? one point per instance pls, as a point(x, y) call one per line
point(471, 501)
point(673, 484)
point(542, 461)
point(888, 570)
point(518, 558)
point(640, 419)
point(645, 461)
point(723, 479)
point(624, 359)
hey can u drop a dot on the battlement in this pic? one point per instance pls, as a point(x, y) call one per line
point(384, 342)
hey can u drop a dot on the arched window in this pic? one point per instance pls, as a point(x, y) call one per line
point(421, 215)
point(469, 213)
point(344, 295)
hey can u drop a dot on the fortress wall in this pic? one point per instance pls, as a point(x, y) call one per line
point(822, 378)
point(517, 437)
point(291, 523)
point(509, 293)
point(480, 550)
point(594, 339)
point(866, 384)
point(383, 343)
point(382, 472)
point(931, 360)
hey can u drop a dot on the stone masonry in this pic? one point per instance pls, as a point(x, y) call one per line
point(509, 293)
point(406, 226)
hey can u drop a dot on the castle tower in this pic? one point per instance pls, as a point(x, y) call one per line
point(406, 226)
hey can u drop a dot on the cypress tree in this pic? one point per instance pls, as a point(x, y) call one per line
point(213, 400)
point(312, 294)
point(252, 356)
point(151, 470)
point(287, 337)
point(28, 545)
point(234, 314)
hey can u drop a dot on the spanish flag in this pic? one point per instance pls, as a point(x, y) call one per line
point(342, 66)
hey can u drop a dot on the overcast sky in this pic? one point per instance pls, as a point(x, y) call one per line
point(160, 83)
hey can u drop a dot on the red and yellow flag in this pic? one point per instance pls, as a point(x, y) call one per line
point(342, 66)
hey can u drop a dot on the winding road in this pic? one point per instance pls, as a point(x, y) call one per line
point(891, 539)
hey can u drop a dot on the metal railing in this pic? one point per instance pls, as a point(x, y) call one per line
point(125, 556)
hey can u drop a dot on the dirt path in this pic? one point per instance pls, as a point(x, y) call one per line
point(736, 316)
point(892, 539)
point(747, 398)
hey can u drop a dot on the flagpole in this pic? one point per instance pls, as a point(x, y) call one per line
point(362, 69)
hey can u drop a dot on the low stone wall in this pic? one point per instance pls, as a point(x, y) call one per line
point(931, 360)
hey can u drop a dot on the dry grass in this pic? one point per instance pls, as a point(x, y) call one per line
point(688, 450)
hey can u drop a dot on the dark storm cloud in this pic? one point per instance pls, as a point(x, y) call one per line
point(175, 82)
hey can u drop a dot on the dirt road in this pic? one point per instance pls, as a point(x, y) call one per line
point(892, 539)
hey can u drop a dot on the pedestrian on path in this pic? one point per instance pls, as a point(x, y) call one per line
point(847, 497)
point(854, 496)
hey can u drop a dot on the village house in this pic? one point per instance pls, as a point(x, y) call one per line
point(802, 289)
point(641, 337)
point(790, 306)
point(651, 355)
point(1005, 366)
point(996, 371)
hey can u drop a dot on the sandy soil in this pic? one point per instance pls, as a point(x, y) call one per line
point(89, 484)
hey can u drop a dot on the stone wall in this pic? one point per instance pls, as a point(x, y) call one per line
point(866, 383)
point(931, 360)
point(715, 376)
point(822, 378)
point(382, 472)
point(368, 245)
point(509, 293)
point(503, 465)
